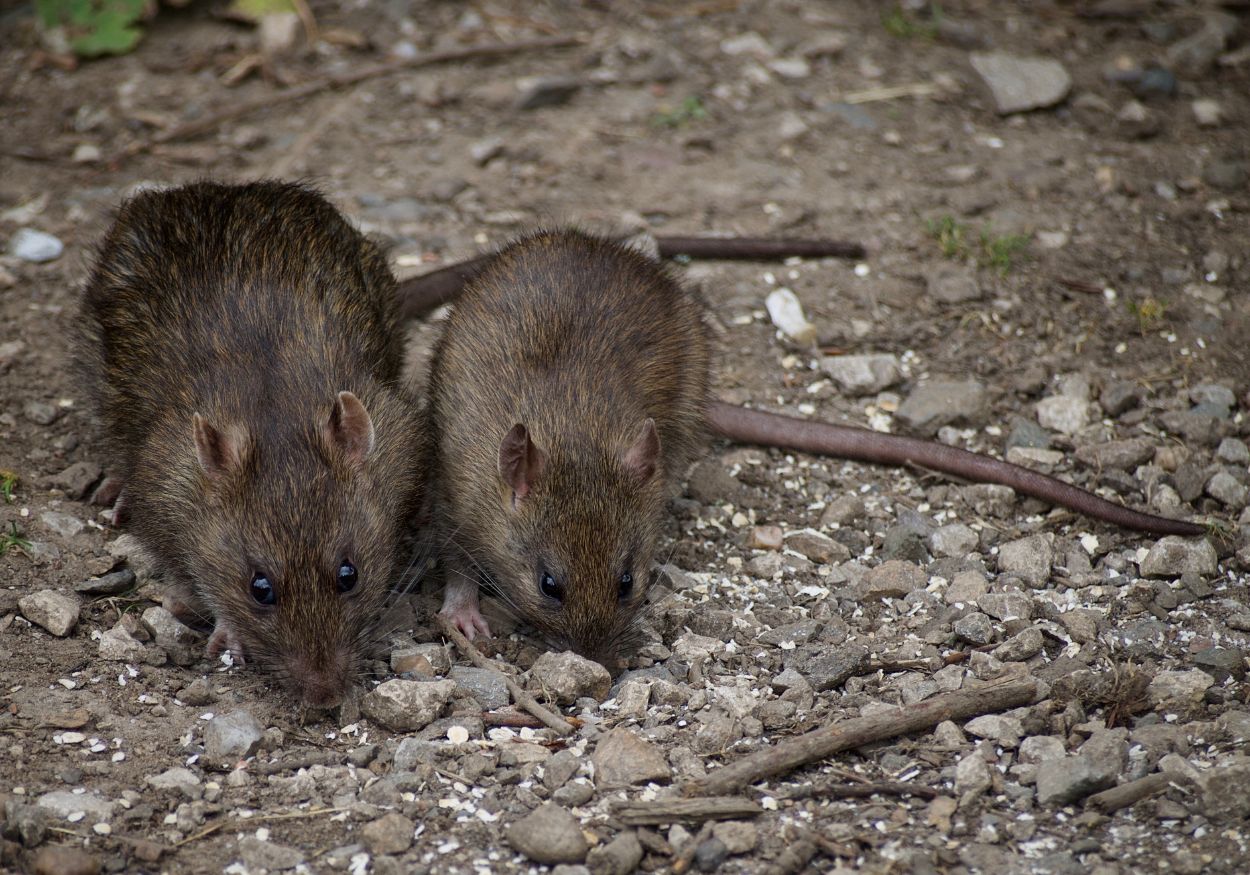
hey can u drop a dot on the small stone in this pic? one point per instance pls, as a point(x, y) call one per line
point(972, 776)
point(939, 402)
point(1117, 455)
point(766, 538)
point(79, 477)
point(390, 834)
point(975, 628)
point(53, 611)
point(749, 43)
point(966, 588)
point(1228, 490)
point(1221, 663)
point(623, 758)
point(791, 634)
point(407, 706)
point(999, 728)
point(1019, 84)
point(485, 684)
point(1207, 113)
point(197, 693)
point(1120, 397)
point(64, 803)
point(1023, 645)
point(167, 630)
point(1173, 556)
point(843, 510)
point(709, 855)
point(819, 548)
point(543, 91)
point(1081, 624)
point(118, 645)
point(1226, 174)
point(1063, 413)
point(786, 312)
point(231, 737)
point(178, 778)
point(35, 246)
point(1071, 778)
point(86, 153)
point(9, 351)
point(621, 856)
point(1226, 793)
point(831, 670)
point(258, 854)
point(953, 284)
point(893, 579)
point(1029, 558)
point(549, 835)
point(1178, 690)
point(568, 677)
point(738, 836)
point(64, 860)
point(1233, 451)
point(278, 32)
point(63, 524)
point(954, 540)
point(484, 150)
point(1194, 54)
point(1037, 749)
point(1006, 605)
point(429, 660)
point(862, 374)
point(108, 584)
point(791, 68)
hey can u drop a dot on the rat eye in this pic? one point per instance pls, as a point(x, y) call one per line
point(548, 586)
point(262, 590)
point(347, 576)
point(626, 585)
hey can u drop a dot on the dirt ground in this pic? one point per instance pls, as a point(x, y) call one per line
point(1092, 252)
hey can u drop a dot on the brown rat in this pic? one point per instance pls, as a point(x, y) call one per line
point(568, 392)
point(243, 346)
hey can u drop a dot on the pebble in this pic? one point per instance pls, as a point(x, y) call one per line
point(749, 43)
point(1173, 556)
point(41, 412)
point(197, 693)
point(766, 538)
point(1023, 645)
point(1178, 690)
point(63, 803)
point(786, 312)
point(1228, 490)
point(64, 860)
point(549, 835)
point(167, 630)
point(177, 778)
point(975, 628)
point(939, 402)
point(53, 611)
point(79, 477)
point(1226, 793)
point(1221, 663)
point(972, 776)
point(407, 706)
point(1019, 84)
point(1193, 55)
point(621, 856)
point(1226, 174)
point(954, 540)
point(829, 671)
point(1006, 605)
point(1038, 749)
point(119, 645)
point(9, 351)
point(738, 836)
point(484, 150)
point(953, 283)
point(485, 684)
point(231, 737)
point(430, 660)
point(863, 374)
point(1000, 728)
point(709, 855)
point(568, 677)
point(1029, 558)
point(967, 587)
point(1117, 455)
point(1063, 413)
point(893, 579)
point(1207, 113)
point(843, 510)
point(542, 91)
point(258, 854)
point(819, 548)
point(108, 584)
point(35, 246)
point(63, 524)
point(1072, 778)
point(1233, 451)
point(623, 758)
point(390, 834)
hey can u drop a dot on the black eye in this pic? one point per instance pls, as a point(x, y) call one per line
point(627, 585)
point(548, 586)
point(262, 590)
point(347, 577)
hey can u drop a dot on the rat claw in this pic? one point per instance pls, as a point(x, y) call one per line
point(224, 641)
point(468, 619)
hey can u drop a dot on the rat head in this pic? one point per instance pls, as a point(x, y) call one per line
point(294, 553)
point(583, 522)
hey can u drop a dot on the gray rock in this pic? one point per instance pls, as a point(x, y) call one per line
point(1173, 556)
point(709, 855)
point(1029, 558)
point(1213, 394)
point(574, 794)
point(63, 524)
point(1027, 434)
point(843, 510)
point(1063, 413)
point(1226, 792)
point(560, 769)
point(819, 548)
point(1006, 605)
point(198, 693)
point(231, 737)
point(35, 246)
point(903, 543)
point(79, 477)
point(9, 351)
point(830, 670)
point(1221, 663)
point(63, 803)
point(428, 660)
point(953, 283)
point(50, 610)
point(999, 728)
point(1072, 778)
point(954, 540)
point(406, 706)
point(1194, 55)
point(412, 752)
point(1025, 644)
point(108, 584)
point(738, 836)
point(939, 402)
point(1179, 690)
point(41, 412)
point(1228, 490)
point(1019, 84)
point(1039, 748)
point(893, 579)
point(792, 633)
point(177, 778)
point(484, 684)
point(621, 856)
point(1081, 624)
point(167, 630)
point(27, 823)
point(1120, 397)
point(975, 628)
point(972, 776)
point(118, 645)
point(623, 758)
point(549, 835)
point(1117, 455)
point(547, 91)
point(257, 854)
point(390, 834)
point(568, 677)
point(966, 588)
point(862, 374)
point(1233, 451)
point(484, 150)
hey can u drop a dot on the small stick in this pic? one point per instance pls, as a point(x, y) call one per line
point(1111, 801)
point(213, 120)
point(850, 734)
point(861, 791)
point(662, 811)
point(686, 855)
point(419, 295)
point(554, 722)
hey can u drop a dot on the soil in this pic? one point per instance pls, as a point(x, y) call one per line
point(1134, 225)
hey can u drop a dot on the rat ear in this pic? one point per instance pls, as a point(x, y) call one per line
point(641, 457)
point(521, 463)
point(219, 451)
point(350, 428)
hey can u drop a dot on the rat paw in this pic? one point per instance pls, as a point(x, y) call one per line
point(224, 641)
point(468, 619)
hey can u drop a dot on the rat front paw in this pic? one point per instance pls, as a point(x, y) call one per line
point(468, 619)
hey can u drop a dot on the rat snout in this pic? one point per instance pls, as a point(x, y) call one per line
point(322, 680)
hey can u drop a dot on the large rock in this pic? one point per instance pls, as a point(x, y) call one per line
point(549, 835)
point(51, 610)
point(568, 677)
point(938, 402)
point(1173, 556)
point(623, 758)
point(862, 374)
point(1019, 84)
point(406, 706)
point(231, 737)
point(1179, 690)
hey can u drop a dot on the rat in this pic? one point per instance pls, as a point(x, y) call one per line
point(568, 393)
point(243, 353)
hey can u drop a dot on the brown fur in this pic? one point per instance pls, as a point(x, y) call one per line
point(580, 341)
point(253, 306)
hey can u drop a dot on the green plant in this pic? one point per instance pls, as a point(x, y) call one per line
point(8, 483)
point(904, 25)
point(93, 27)
point(1000, 251)
point(690, 110)
point(13, 540)
point(956, 241)
point(952, 236)
point(1149, 312)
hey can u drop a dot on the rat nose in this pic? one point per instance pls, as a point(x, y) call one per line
point(322, 682)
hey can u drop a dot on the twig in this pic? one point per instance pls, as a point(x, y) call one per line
point(686, 855)
point(1082, 286)
point(419, 295)
point(849, 734)
point(889, 92)
point(554, 722)
point(862, 791)
point(213, 120)
point(1111, 801)
point(662, 811)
